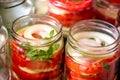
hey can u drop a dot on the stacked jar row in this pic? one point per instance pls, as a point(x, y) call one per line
point(71, 11)
point(37, 50)
point(37, 46)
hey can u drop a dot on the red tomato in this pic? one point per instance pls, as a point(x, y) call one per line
point(15, 47)
point(115, 1)
point(38, 76)
point(86, 67)
point(70, 18)
point(20, 59)
point(72, 5)
point(90, 71)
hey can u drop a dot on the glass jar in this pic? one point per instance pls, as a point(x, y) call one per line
point(92, 51)
point(12, 9)
point(36, 48)
point(106, 10)
point(118, 25)
point(4, 67)
point(118, 20)
point(70, 11)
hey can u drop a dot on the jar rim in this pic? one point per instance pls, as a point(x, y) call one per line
point(72, 5)
point(112, 47)
point(41, 19)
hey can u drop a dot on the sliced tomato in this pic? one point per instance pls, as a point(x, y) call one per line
point(87, 68)
point(19, 59)
point(114, 1)
point(39, 76)
point(69, 18)
point(95, 70)
point(72, 4)
point(15, 47)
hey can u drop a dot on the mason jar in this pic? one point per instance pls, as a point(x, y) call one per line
point(92, 51)
point(117, 23)
point(70, 11)
point(12, 9)
point(36, 48)
point(4, 67)
point(106, 10)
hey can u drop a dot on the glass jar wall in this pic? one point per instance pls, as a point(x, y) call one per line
point(92, 51)
point(117, 23)
point(36, 48)
point(12, 9)
point(4, 67)
point(106, 10)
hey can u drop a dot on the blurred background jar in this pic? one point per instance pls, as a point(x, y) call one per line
point(70, 11)
point(36, 48)
point(117, 23)
point(4, 67)
point(118, 63)
point(12, 9)
point(41, 7)
point(92, 51)
point(106, 9)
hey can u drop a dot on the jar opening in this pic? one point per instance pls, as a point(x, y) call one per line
point(39, 30)
point(94, 38)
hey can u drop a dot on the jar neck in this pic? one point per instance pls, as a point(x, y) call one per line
point(94, 33)
point(11, 4)
point(27, 21)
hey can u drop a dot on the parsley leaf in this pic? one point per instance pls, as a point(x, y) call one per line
point(106, 65)
point(51, 33)
point(103, 43)
point(92, 38)
point(55, 46)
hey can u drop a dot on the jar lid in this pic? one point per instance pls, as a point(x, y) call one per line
point(72, 4)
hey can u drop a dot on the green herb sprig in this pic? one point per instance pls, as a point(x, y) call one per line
point(34, 53)
point(106, 65)
point(44, 55)
point(102, 42)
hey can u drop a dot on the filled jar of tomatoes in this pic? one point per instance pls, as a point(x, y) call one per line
point(36, 48)
point(4, 67)
point(92, 51)
point(106, 9)
point(70, 11)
